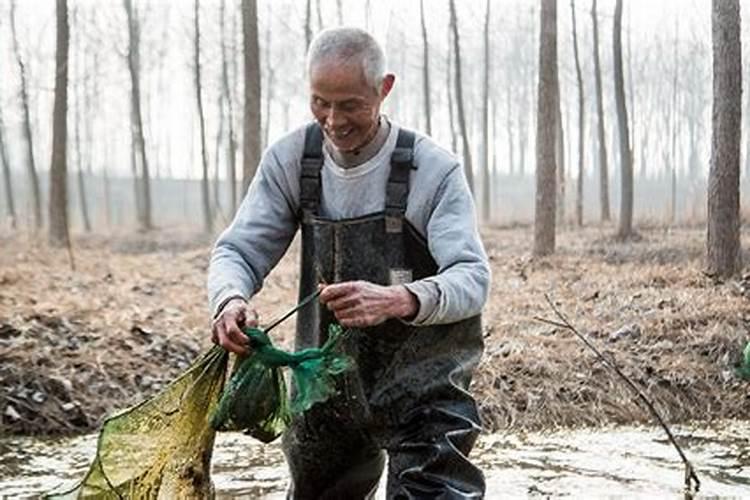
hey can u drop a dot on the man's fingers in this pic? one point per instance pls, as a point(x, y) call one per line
point(232, 339)
point(227, 344)
point(341, 303)
point(217, 331)
point(235, 335)
point(333, 292)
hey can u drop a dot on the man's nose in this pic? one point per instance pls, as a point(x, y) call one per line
point(334, 117)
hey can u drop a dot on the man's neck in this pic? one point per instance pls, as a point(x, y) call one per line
point(350, 159)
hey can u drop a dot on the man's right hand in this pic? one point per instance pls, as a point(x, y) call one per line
point(226, 329)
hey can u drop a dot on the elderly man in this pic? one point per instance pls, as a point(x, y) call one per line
point(390, 239)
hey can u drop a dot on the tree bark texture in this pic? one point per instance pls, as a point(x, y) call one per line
point(58, 196)
point(7, 181)
point(251, 143)
point(603, 170)
point(139, 140)
point(80, 98)
point(36, 197)
point(425, 72)
point(205, 182)
point(723, 239)
point(228, 98)
point(560, 163)
point(546, 130)
point(625, 229)
point(485, 159)
point(460, 101)
point(449, 92)
point(581, 121)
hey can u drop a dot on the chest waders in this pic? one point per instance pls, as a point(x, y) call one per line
point(407, 393)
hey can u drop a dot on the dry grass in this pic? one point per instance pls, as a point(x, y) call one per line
point(77, 345)
point(691, 332)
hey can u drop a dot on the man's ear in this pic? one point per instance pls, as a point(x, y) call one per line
point(388, 81)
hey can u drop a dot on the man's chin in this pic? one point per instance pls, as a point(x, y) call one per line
point(346, 146)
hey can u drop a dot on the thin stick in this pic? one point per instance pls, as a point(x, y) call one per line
point(689, 470)
point(296, 308)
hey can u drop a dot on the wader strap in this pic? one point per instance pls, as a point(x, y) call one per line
point(397, 190)
point(312, 161)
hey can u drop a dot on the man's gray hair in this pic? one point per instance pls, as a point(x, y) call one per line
point(349, 45)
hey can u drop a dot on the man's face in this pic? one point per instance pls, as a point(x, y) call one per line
point(345, 105)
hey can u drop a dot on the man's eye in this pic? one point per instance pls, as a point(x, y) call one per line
point(318, 102)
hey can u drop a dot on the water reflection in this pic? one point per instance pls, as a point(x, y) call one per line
point(623, 461)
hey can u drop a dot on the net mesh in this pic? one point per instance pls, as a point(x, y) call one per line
point(162, 447)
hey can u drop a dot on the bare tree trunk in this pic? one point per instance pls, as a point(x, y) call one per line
point(5, 161)
point(560, 164)
point(544, 216)
point(340, 12)
point(674, 126)
point(460, 101)
point(319, 14)
point(58, 197)
point(79, 93)
point(137, 193)
point(251, 145)
point(509, 128)
point(269, 79)
point(216, 195)
point(523, 143)
point(603, 170)
point(205, 189)
point(308, 23)
point(579, 78)
point(425, 72)
point(145, 223)
point(486, 181)
point(228, 98)
point(626, 163)
point(105, 182)
point(631, 89)
point(723, 239)
point(30, 163)
point(7, 181)
point(449, 91)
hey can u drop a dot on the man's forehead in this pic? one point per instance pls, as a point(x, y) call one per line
point(336, 63)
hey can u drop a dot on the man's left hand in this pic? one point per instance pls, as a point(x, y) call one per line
point(360, 304)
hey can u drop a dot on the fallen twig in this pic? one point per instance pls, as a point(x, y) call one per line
point(690, 477)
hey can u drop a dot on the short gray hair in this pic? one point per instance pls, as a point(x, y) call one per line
point(349, 45)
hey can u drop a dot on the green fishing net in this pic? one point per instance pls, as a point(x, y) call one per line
point(161, 448)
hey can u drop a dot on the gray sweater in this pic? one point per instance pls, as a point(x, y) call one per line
point(440, 207)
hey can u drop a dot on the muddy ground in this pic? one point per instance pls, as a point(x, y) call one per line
point(77, 344)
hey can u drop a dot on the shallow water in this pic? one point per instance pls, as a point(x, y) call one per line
point(621, 462)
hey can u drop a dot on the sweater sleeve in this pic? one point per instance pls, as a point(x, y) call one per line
point(257, 238)
point(460, 288)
